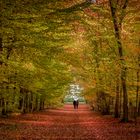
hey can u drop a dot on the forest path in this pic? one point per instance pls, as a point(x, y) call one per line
point(66, 124)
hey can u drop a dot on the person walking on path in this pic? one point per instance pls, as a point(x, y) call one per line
point(75, 103)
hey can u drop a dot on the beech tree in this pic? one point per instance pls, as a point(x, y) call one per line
point(46, 45)
point(29, 55)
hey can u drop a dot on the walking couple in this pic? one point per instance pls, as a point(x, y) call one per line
point(75, 104)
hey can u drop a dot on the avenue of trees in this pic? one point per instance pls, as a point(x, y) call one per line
point(47, 44)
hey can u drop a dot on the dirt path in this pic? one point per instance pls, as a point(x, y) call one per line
point(66, 124)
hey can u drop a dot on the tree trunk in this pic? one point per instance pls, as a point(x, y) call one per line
point(3, 111)
point(23, 104)
point(28, 102)
point(125, 97)
point(1, 49)
point(33, 103)
point(117, 115)
point(137, 91)
point(120, 101)
point(139, 109)
point(117, 29)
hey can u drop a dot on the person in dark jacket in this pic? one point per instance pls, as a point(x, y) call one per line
point(75, 104)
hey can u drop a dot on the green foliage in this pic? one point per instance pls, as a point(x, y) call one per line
point(31, 46)
point(47, 44)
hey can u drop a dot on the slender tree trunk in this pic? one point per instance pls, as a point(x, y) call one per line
point(23, 104)
point(125, 98)
point(1, 49)
point(36, 102)
point(137, 90)
point(120, 101)
point(28, 102)
point(41, 103)
point(117, 30)
point(3, 107)
point(117, 100)
point(139, 108)
point(33, 103)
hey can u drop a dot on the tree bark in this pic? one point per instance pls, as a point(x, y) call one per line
point(117, 31)
point(1, 49)
point(137, 90)
point(139, 109)
point(117, 115)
